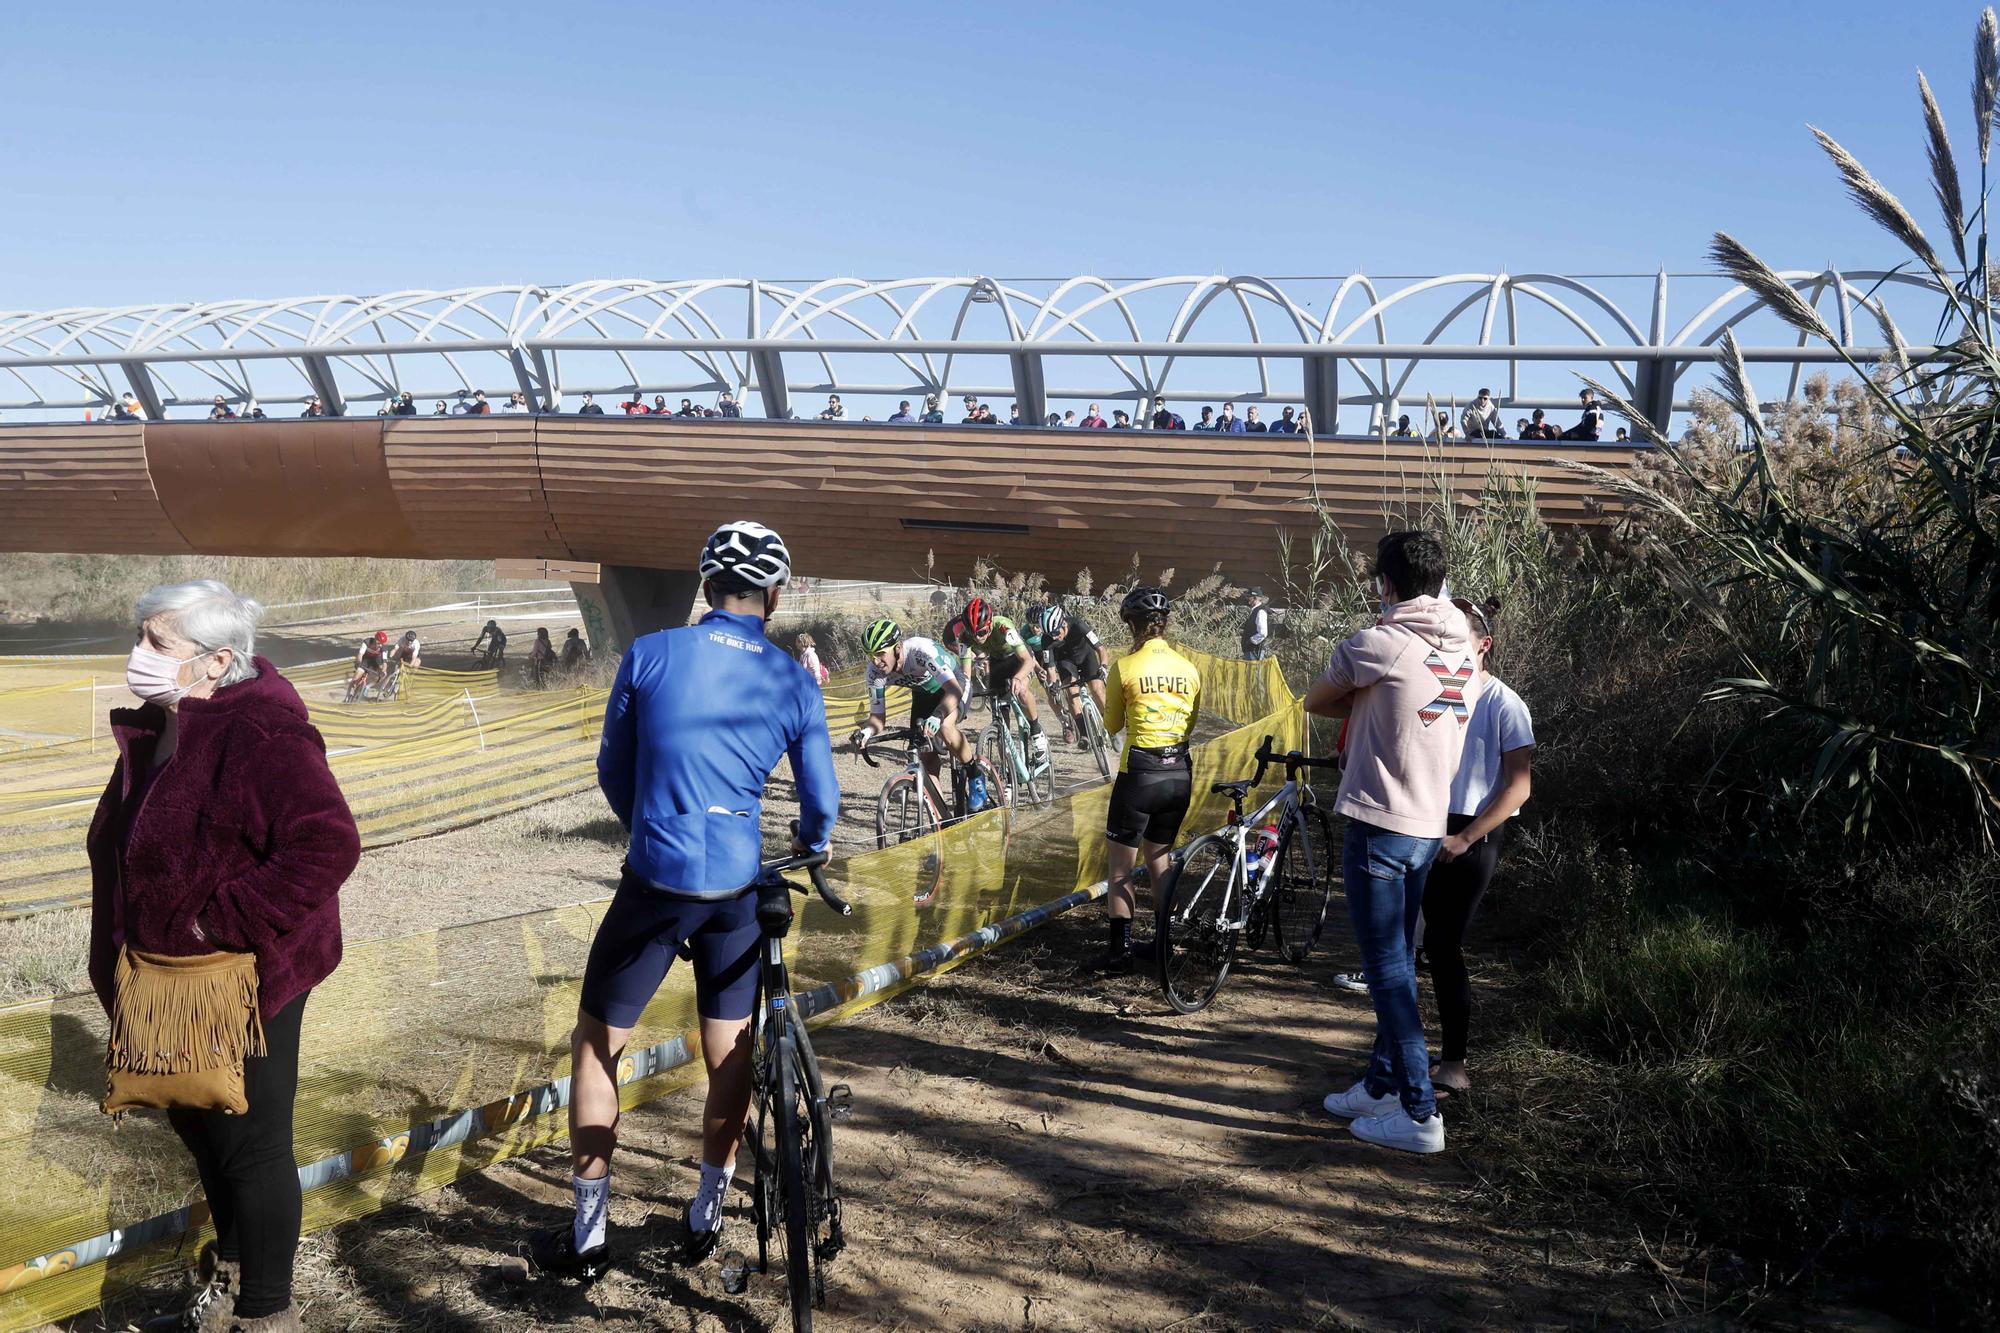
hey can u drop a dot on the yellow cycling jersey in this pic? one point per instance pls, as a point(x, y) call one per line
point(1154, 694)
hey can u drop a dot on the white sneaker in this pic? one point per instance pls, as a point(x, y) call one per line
point(1357, 982)
point(1356, 1102)
point(1395, 1129)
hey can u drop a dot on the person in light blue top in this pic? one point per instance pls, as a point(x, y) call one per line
point(696, 721)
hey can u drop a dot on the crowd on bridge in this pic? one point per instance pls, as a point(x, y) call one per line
point(1481, 419)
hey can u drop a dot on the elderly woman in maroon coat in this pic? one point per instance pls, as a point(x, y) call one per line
point(222, 829)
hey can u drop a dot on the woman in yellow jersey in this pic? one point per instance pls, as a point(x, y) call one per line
point(1153, 695)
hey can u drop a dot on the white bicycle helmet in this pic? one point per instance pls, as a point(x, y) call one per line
point(745, 555)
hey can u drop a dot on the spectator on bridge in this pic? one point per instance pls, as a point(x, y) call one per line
point(255, 413)
point(1207, 421)
point(1014, 415)
point(1055, 419)
point(987, 416)
point(1094, 420)
point(441, 410)
point(1120, 421)
point(1539, 429)
point(462, 404)
point(208, 941)
point(1587, 426)
point(1481, 418)
point(635, 406)
point(1443, 430)
point(314, 408)
point(687, 409)
point(834, 410)
point(1229, 423)
point(516, 404)
point(221, 411)
point(1165, 418)
point(1521, 429)
point(726, 406)
point(480, 407)
point(127, 408)
point(590, 407)
point(971, 411)
point(933, 412)
point(901, 416)
point(406, 404)
point(660, 405)
point(1286, 424)
point(1251, 424)
point(1403, 431)
point(1068, 419)
point(1622, 437)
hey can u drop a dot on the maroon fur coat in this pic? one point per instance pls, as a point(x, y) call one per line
point(244, 828)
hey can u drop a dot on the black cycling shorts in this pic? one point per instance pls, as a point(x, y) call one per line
point(1083, 666)
point(1000, 673)
point(643, 933)
point(1150, 799)
point(925, 703)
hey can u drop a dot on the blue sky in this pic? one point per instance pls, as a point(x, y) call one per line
point(210, 151)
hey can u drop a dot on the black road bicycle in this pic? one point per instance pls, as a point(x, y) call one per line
point(793, 1199)
point(912, 804)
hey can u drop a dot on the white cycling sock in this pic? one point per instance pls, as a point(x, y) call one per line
point(705, 1213)
point(593, 1200)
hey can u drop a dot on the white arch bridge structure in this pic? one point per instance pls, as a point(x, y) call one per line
point(1366, 346)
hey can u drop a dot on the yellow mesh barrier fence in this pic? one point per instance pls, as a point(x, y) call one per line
point(431, 1055)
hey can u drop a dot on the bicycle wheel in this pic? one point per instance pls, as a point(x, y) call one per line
point(992, 747)
point(1194, 943)
point(1304, 882)
point(794, 1204)
point(901, 812)
point(1100, 744)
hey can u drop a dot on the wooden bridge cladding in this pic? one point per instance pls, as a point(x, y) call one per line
point(852, 500)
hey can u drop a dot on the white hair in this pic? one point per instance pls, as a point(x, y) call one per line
point(209, 615)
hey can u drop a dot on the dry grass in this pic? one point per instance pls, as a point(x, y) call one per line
point(103, 588)
point(44, 955)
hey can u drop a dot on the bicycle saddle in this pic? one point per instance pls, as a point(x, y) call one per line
point(1234, 790)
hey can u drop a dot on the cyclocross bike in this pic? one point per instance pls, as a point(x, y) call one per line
point(792, 1194)
point(1225, 887)
point(911, 804)
point(1004, 745)
point(1057, 691)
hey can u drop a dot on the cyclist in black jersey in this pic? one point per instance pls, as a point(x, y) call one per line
point(1069, 654)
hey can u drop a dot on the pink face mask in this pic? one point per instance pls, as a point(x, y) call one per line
point(155, 677)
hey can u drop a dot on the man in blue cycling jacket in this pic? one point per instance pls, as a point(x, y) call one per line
point(697, 719)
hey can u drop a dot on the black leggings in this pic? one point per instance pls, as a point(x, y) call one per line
point(248, 1172)
point(1451, 896)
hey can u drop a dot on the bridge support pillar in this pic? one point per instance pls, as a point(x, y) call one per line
point(627, 602)
point(1030, 389)
point(1322, 395)
point(1654, 392)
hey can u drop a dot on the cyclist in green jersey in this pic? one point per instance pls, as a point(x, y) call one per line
point(1008, 663)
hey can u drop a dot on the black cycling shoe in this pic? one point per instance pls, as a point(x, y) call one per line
point(698, 1245)
point(1111, 963)
point(554, 1252)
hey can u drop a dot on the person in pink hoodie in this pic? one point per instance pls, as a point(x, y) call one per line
point(1405, 685)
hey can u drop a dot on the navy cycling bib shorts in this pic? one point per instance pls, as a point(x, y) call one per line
point(644, 932)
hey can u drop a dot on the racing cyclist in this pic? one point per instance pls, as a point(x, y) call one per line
point(1007, 661)
point(1070, 653)
point(499, 650)
point(371, 662)
point(1155, 694)
point(408, 652)
point(938, 692)
point(694, 724)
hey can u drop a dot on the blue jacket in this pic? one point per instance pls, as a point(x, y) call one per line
point(695, 723)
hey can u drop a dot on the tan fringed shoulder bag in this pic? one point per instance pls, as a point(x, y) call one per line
point(180, 1030)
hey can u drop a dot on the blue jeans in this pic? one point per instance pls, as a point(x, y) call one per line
point(1385, 874)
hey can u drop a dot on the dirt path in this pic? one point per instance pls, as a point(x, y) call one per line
point(1027, 1150)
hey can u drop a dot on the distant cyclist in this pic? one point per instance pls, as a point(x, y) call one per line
point(409, 650)
point(1070, 653)
point(696, 721)
point(497, 649)
point(999, 641)
point(575, 652)
point(371, 662)
point(1154, 694)
point(541, 657)
point(938, 692)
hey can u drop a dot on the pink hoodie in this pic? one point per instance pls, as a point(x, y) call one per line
point(1414, 681)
